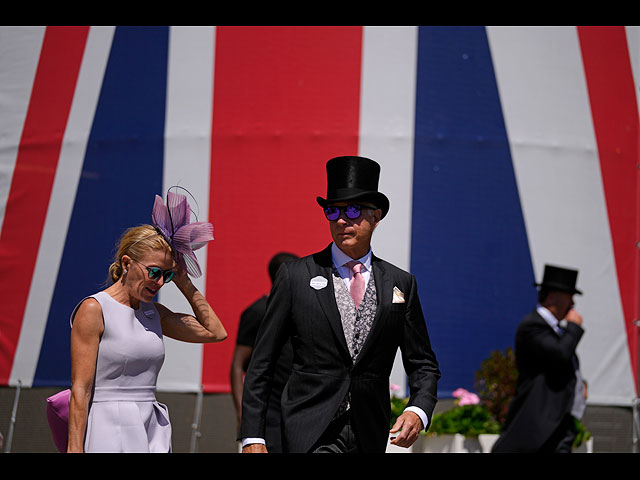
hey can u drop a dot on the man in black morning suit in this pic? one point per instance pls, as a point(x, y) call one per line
point(344, 337)
point(550, 391)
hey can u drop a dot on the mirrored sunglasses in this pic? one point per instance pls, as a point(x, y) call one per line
point(155, 273)
point(351, 211)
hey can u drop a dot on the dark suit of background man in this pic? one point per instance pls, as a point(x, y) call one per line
point(250, 321)
point(337, 397)
point(550, 391)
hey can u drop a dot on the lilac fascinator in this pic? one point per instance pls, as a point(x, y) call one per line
point(173, 222)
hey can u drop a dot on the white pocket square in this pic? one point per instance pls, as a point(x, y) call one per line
point(398, 296)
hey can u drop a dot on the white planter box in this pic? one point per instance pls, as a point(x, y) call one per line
point(487, 440)
point(455, 443)
point(447, 444)
point(586, 447)
point(395, 449)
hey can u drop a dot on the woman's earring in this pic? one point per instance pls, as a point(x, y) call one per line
point(125, 271)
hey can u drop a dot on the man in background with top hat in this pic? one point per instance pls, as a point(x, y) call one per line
point(345, 323)
point(550, 391)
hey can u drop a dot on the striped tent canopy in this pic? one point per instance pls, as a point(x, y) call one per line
point(502, 149)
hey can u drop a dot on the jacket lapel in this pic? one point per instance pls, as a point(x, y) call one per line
point(321, 266)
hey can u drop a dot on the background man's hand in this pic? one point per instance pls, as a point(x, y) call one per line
point(574, 317)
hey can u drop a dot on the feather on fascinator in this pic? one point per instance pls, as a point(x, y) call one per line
point(172, 221)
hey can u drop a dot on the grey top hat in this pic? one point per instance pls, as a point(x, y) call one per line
point(559, 278)
point(353, 178)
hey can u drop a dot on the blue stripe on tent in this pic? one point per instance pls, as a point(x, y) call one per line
point(122, 172)
point(469, 241)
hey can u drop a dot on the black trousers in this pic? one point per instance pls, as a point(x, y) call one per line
point(339, 437)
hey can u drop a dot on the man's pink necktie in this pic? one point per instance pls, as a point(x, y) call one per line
point(356, 287)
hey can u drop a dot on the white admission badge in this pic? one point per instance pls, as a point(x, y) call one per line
point(318, 282)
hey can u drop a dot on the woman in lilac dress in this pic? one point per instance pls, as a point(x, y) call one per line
point(117, 334)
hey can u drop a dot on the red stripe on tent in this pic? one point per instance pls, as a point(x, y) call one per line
point(35, 169)
point(615, 117)
point(286, 100)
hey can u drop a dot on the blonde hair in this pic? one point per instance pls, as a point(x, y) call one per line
point(136, 242)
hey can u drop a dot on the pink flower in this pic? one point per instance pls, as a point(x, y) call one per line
point(470, 399)
point(394, 388)
point(459, 392)
point(465, 397)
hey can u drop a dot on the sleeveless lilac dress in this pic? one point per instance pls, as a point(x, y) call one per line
point(124, 415)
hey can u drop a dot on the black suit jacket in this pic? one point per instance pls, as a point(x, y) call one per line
point(546, 384)
point(323, 371)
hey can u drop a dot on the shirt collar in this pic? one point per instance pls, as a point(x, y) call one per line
point(339, 258)
point(549, 317)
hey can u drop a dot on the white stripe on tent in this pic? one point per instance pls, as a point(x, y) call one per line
point(61, 203)
point(387, 135)
point(19, 57)
point(546, 109)
point(187, 163)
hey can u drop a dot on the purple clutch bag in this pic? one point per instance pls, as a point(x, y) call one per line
point(58, 418)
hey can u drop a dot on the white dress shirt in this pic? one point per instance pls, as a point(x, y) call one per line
point(340, 260)
point(550, 318)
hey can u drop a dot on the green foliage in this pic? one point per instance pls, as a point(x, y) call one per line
point(496, 382)
point(582, 434)
point(468, 420)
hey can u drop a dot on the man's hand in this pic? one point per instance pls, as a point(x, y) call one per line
point(575, 317)
point(254, 448)
point(408, 427)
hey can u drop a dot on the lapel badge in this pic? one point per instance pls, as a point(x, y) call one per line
point(318, 283)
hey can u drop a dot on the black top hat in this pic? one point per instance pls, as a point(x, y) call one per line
point(354, 178)
point(559, 278)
